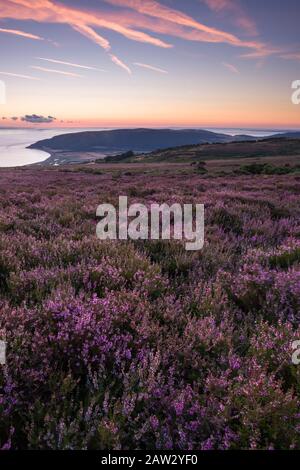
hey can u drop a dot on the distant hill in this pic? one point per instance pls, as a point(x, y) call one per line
point(138, 140)
point(286, 135)
point(271, 147)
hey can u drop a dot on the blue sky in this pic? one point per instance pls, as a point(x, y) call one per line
point(153, 63)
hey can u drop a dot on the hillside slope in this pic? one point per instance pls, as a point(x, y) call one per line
point(139, 140)
point(247, 149)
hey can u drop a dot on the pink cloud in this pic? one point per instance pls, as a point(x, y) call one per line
point(80, 20)
point(69, 64)
point(60, 72)
point(231, 67)
point(157, 10)
point(130, 19)
point(91, 34)
point(291, 56)
point(49, 11)
point(18, 75)
point(262, 53)
point(150, 67)
point(120, 63)
point(239, 16)
point(173, 22)
point(21, 33)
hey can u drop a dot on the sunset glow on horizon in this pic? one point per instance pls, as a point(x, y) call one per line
point(144, 63)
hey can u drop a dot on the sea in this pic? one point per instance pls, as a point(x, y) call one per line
point(13, 142)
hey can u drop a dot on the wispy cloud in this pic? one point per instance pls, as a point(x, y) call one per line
point(209, 34)
point(231, 67)
point(60, 72)
point(17, 75)
point(119, 62)
point(291, 56)
point(91, 34)
point(262, 53)
point(79, 19)
point(133, 17)
point(238, 14)
point(71, 64)
point(150, 67)
point(23, 34)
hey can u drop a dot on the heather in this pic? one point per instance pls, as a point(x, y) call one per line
point(143, 345)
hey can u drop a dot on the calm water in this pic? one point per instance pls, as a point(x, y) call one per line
point(13, 142)
point(251, 132)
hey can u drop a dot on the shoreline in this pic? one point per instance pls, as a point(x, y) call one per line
point(61, 157)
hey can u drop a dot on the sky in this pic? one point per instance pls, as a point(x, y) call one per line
point(127, 63)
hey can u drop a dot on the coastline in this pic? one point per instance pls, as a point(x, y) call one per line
point(60, 157)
